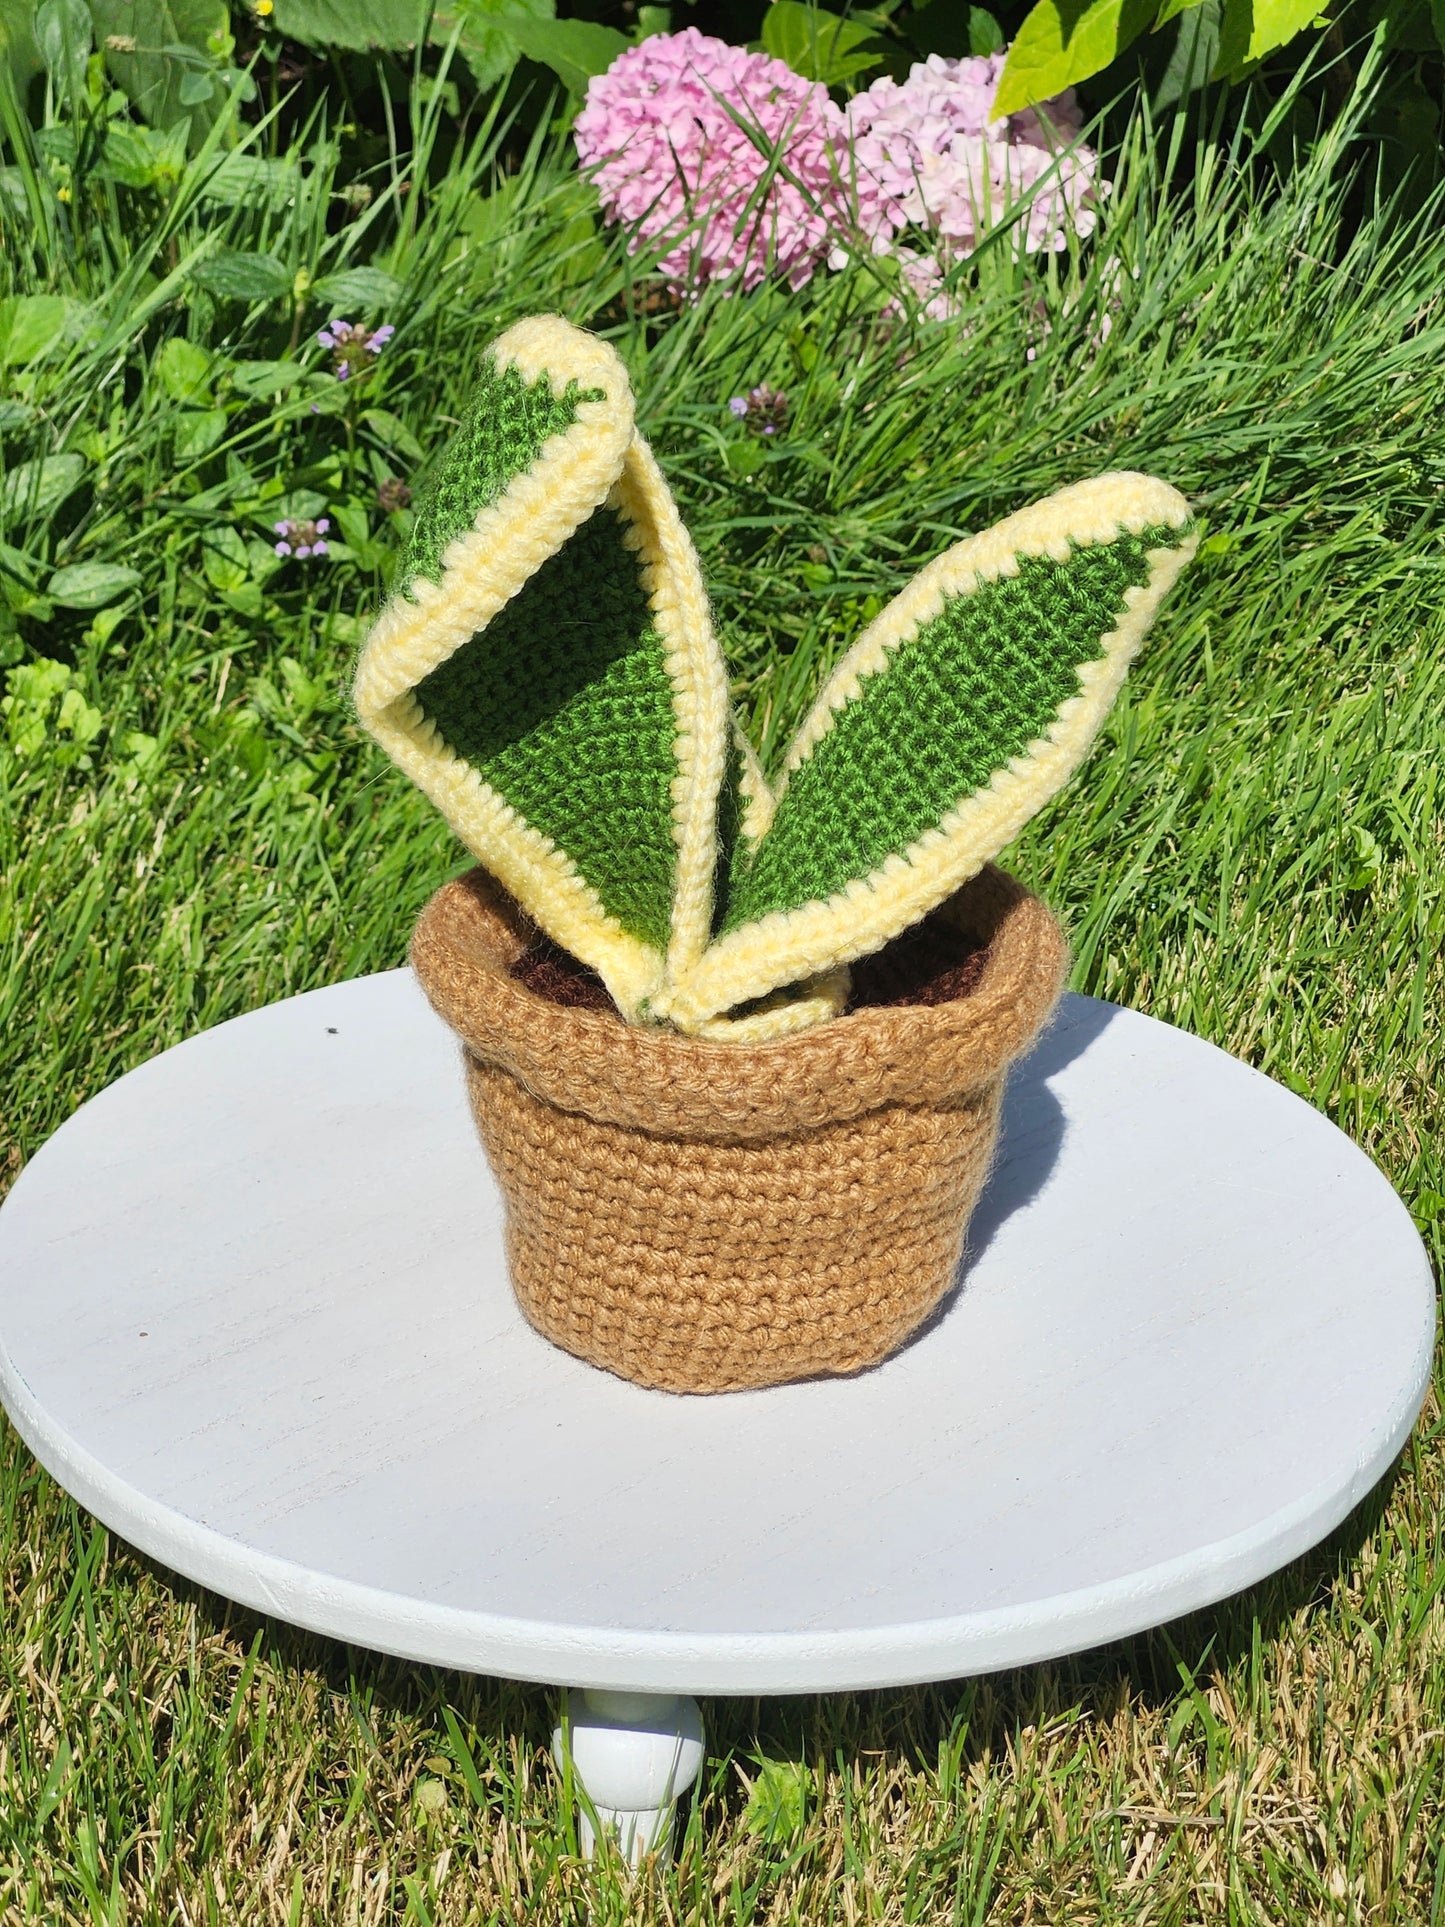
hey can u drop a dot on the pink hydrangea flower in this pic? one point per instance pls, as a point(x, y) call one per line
point(660, 137)
point(926, 158)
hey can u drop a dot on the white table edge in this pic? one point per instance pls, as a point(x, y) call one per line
point(730, 1665)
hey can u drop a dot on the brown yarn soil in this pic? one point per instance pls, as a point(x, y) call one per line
point(932, 964)
point(554, 973)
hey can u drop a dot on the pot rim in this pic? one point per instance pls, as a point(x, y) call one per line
point(593, 1063)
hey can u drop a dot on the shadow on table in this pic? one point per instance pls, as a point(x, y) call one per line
point(1030, 1139)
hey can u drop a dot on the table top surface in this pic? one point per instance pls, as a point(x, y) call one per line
point(254, 1313)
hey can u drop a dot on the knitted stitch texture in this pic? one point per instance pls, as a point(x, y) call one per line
point(508, 423)
point(948, 724)
point(703, 1217)
point(563, 706)
point(971, 692)
point(547, 671)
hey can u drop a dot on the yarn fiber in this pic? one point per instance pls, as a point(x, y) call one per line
point(564, 707)
point(508, 423)
point(968, 692)
point(549, 674)
point(703, 1217)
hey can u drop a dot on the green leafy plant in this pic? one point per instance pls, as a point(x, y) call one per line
point(491, 35)
point(548, 674)
point(172, 59)
point(1060, 43)
point(824, 46)
point(45, 711)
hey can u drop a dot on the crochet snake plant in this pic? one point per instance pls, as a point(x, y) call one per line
point(547, 672)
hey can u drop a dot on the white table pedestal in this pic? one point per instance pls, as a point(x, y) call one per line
point(635, 1755)
point(254, 1314)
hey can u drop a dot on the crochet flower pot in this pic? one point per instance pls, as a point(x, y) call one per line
point(786, 1182)
point(703, 1217)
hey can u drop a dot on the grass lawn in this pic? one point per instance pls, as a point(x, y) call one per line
point(192, 825)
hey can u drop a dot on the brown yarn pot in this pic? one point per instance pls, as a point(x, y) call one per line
point(705, 1217)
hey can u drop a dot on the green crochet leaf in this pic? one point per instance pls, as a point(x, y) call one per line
point(965, 697)
point(957, 714)
point(547, 671)
point(744, 809)
point(509, 422)
point(564, 706)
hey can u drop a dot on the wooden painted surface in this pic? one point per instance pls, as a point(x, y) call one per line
point(254, 1314)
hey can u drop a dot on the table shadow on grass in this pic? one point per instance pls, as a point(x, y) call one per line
point(901, 1725)
point(1031, 1136)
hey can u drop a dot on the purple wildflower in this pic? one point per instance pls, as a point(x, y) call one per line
point(393, 494)
point(301, 538)
point(764, 409)
point(354, 348)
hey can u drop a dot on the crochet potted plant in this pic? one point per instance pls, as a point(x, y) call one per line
point(735, 1051)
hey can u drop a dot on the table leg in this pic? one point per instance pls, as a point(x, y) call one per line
point(634, 1754)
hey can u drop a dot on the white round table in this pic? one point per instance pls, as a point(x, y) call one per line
point(254, 1314)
